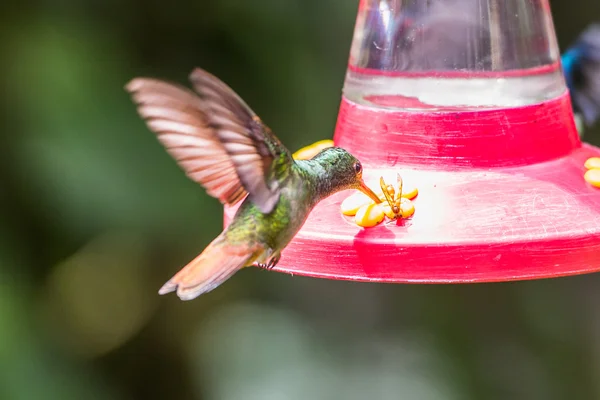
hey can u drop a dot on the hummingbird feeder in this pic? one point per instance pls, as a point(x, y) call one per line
point(466, 100)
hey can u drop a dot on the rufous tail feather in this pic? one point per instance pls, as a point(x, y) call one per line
point(217, 263)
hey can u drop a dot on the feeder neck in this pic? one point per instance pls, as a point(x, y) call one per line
point(501, 137)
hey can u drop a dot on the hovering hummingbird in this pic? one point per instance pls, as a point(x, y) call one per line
point(224, 146)
point(581, 66)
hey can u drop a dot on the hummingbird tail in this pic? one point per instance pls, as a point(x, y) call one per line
point(217, 263)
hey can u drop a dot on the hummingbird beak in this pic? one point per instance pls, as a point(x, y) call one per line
point(366, 190)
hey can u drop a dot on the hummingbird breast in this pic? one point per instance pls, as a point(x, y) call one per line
point(274, 230)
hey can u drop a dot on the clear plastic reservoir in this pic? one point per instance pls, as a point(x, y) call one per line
point(453, 54)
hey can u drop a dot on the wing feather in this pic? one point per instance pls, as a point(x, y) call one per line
point(214, 136)
point(249, 143)
point(175, 114)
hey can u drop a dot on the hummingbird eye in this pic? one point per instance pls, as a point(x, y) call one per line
point(358, 168)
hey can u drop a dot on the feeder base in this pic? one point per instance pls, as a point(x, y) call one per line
point(479, 225)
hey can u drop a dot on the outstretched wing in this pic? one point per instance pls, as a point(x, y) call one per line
point(250, 143)
point(216, 138)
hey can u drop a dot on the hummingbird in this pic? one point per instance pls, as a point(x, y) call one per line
point(581, 67)
point(222, 144)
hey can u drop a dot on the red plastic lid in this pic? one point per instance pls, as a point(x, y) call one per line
point(483, 129)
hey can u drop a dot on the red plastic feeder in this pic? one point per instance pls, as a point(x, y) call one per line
point(467, 101)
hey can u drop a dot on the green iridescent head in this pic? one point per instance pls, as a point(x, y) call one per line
point(342, 171)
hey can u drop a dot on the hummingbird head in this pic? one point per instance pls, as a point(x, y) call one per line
point(342, 171)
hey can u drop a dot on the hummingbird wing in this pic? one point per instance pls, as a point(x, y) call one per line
point(215, 137)
point(260, 159)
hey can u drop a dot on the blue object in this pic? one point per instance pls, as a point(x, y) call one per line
point(581, 66)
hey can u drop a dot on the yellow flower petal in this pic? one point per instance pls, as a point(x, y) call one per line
point(369, 215)
point(308, 152)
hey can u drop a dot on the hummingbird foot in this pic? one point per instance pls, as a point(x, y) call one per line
point(271, 262)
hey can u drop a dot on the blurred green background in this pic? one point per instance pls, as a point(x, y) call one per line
point(95, 217)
